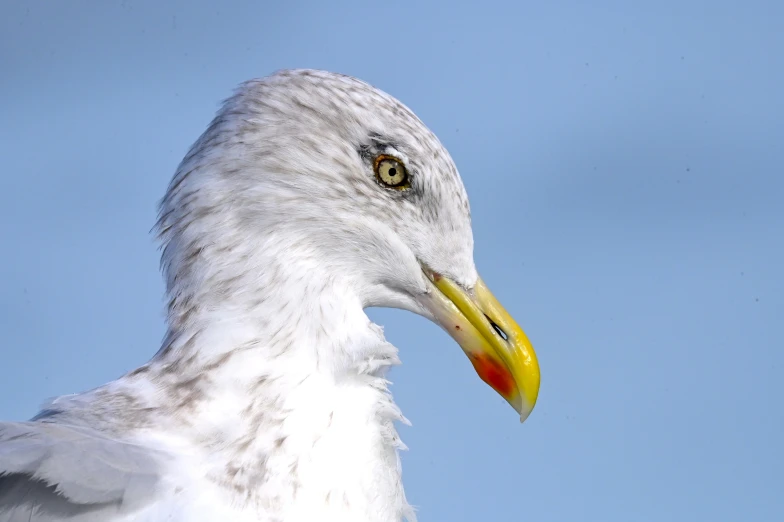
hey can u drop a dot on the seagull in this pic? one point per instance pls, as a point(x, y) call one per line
point(310, 197)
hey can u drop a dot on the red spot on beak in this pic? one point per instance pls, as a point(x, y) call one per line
point(457, 327)
point(494, 373)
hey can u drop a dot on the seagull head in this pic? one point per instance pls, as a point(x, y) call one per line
point(350, 183)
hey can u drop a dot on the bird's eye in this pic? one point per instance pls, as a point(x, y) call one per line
point(391, 172)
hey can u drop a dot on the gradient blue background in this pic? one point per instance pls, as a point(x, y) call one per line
point(625, 167)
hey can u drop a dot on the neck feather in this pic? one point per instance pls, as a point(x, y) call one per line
point(270, 370)
point(276, 377)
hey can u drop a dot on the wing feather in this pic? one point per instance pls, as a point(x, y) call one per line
point(53, 472)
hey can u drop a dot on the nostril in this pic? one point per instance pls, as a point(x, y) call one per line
point(497, 328)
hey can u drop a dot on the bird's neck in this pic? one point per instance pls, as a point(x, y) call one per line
point(285, 389)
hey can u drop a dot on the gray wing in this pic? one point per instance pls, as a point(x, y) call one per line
point(55, 472)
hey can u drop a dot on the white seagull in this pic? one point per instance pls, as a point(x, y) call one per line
point(310, 196)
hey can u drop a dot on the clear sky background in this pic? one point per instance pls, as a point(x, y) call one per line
point(625, 164)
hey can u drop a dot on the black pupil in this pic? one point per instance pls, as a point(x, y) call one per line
point(392, 172)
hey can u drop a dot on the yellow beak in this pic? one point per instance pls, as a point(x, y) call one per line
point(498, 348)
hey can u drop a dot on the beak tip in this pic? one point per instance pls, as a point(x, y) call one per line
point(525, 412)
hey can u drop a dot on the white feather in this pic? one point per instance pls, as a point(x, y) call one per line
point(268, 399)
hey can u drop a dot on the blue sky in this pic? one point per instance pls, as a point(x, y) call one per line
point(624, 164)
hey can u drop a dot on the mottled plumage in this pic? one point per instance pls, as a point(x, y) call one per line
point(267, 400)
